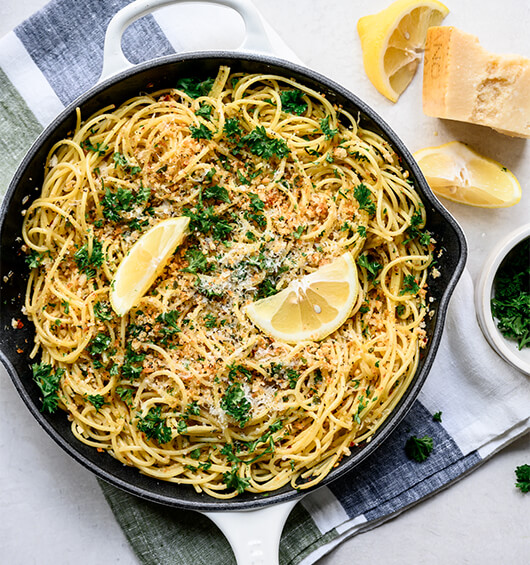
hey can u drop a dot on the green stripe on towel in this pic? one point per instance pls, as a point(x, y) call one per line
point(18, 129)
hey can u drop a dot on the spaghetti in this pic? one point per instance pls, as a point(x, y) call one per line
point(277, 182)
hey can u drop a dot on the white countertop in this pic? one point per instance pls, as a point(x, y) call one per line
point(52, 511)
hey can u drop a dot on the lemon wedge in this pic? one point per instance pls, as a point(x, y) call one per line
point(145, 261)
point(312, 307)
point(393, 40)
point(458, 173)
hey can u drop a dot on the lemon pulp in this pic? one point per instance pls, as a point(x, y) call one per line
point(458, 173)
point(312, 307)
point(392, 42)
point(145, 261)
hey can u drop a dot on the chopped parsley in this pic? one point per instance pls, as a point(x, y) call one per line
point(89, 262)
point(260, 144)
point(130, 368)
point(125, 394)
point(410, 285)
point(361, 230)
point(217, 193)
point(204, 111)
point(99, 344)
point(201, 132)
point(121, 161)
point(33, 259)
point(103, 311)
point(363, 196)
point(373, 267)
point(523, 478)
point(255, 202)
point(197, 261)
point(99, 148)
point(326, 130)
point(293, 102)
point(194, 87)
point(97, 400)
point(511, 303)
point(153, 426)
point(236, 404)
point(205, 220)
point(168, 322)
point(48, 382)
point(232, 129)
point(437, 417)
point(266, 288)
point(232, 480)
point(419, 449)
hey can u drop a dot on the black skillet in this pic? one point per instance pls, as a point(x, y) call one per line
point(254, 535)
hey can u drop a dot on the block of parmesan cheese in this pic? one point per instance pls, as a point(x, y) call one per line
point(463, 81)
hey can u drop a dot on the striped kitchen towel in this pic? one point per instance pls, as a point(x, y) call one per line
point(56, 55)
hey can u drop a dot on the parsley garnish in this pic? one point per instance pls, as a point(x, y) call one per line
point(410, 285)
point(48, 382)
point(197, 261)
point(363, 196)
point(168, 321)
point(88, 263)
point(217, 193)
point(103, 311)
point(121, 161)
point(437, 417)
point(266, 288)
point(99, 344)
point(373, 267)
point(236, 404)
point(98, 148)
point(419, 449)
point(293, 102)
point(194, 87)
point(326, 130)
point(205, 111)
point(153, 426)
point(205, 220)
point(523, 478)
point(201, 132)
point(97, 400)
point(232, 129)
point(125, 394)
point(129, 369)
point(33, 259)
point(232, 480)
point(361, 230)
point(511, 304)
point(255, 202)
point(260, 144)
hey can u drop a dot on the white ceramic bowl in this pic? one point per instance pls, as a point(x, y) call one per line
point(484, 292)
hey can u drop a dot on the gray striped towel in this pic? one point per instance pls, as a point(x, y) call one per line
point(53, 57)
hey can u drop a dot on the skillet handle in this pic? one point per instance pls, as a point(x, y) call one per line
point(114, 60)
point(254, 535)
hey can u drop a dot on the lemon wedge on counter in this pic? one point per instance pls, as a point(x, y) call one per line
point(458, 173)
point(144, 262)
point(393, 40)
point(311, 307)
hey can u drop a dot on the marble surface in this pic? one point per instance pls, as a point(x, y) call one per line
point(51, 509)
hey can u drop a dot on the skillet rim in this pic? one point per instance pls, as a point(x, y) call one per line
point(251, 501)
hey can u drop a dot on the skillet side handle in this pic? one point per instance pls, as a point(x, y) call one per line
point(114, 60)
point(254, 535)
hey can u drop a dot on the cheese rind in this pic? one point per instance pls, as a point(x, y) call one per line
point(465, 82)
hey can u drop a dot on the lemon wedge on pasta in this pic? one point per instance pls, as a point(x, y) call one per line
point(458, 173)
point(145, 261)
point(312, 307)
point(392, 42)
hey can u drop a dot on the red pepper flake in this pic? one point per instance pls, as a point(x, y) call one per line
point(20, 350)
point(20, 325)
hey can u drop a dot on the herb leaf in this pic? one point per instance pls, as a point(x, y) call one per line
point(260, 144)
point(363, 196)
point(523, 478)
point(194, 87)
point(293, 102)
point(153, 426)
point(88, 263)
point(48, 381)
point(236, 404)
point(419, 449)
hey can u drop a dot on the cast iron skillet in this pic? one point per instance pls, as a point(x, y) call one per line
point(151, 76)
